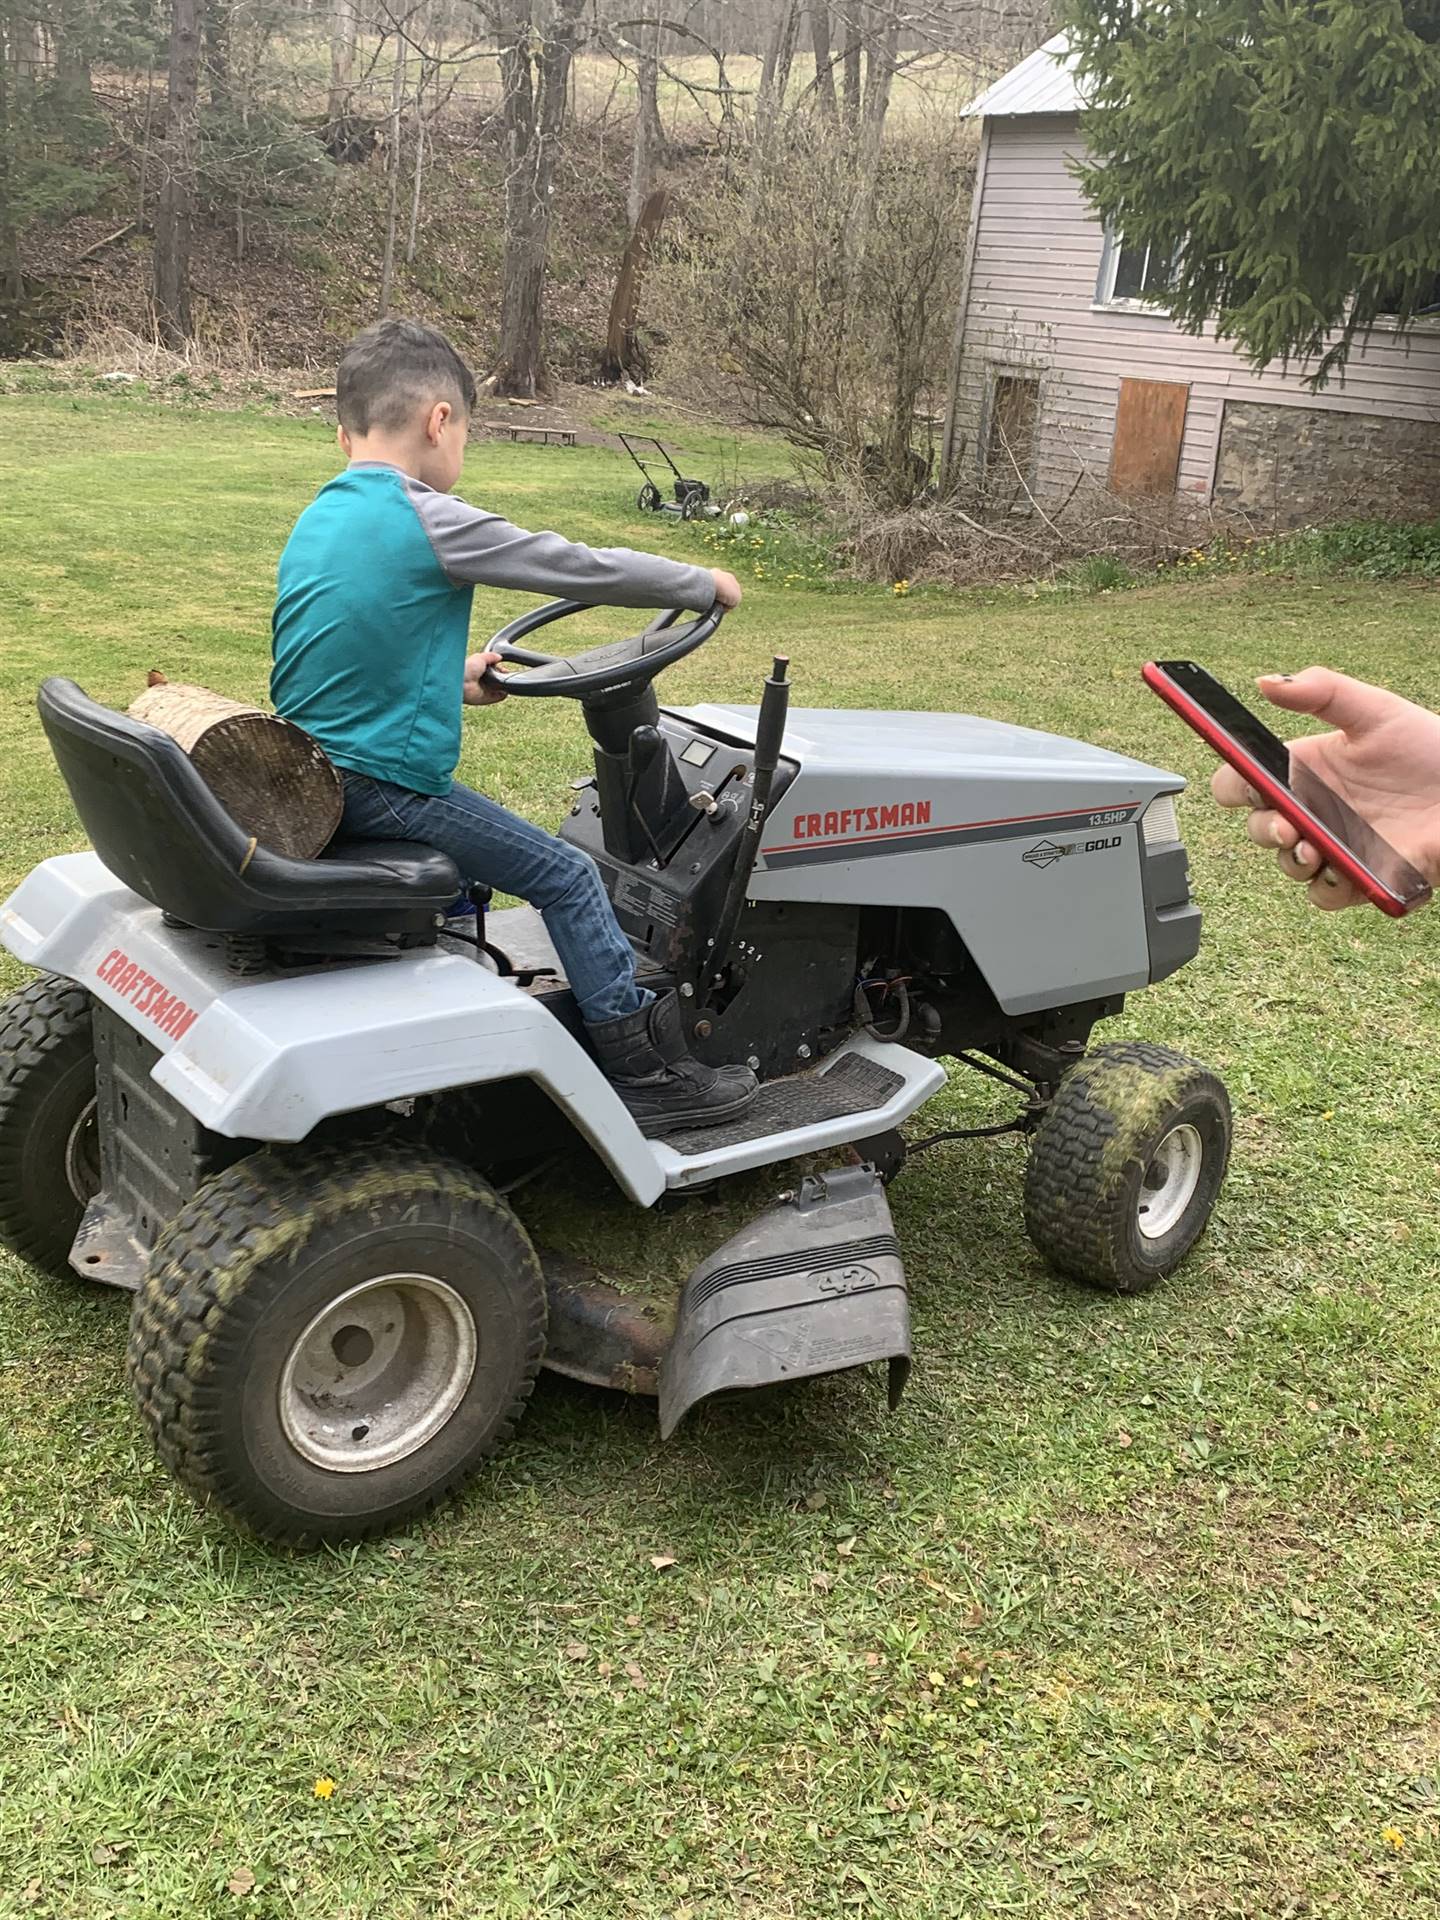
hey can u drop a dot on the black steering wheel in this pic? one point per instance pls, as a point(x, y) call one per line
point(618, 668)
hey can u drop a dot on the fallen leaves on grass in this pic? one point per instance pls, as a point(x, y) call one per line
point(242, 1881)
point(660, 1561)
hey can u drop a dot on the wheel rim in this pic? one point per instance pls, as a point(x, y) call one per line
point(82, 1155)
point(1169, 1182)
point(377, 1373)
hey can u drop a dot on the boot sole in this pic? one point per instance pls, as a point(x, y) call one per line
point(656, 1126)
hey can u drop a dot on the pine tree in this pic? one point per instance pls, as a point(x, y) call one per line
point(1285, 151)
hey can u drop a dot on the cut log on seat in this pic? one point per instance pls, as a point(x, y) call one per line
point(268, 774)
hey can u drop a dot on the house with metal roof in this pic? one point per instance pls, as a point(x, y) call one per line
point(1067, 370)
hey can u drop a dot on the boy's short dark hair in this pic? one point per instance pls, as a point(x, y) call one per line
point(392, 369)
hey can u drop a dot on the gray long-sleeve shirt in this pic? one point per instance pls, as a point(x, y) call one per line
point(372, 614)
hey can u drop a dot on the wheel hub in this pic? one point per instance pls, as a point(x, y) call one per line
point(82, 1155)
point(1169, 1182)
point(377, 1373)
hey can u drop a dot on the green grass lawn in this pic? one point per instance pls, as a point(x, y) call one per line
point(1132, 1609)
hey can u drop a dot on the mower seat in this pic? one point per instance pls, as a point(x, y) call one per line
point(160, 830)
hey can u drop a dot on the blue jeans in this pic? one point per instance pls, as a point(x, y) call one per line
point(495, 848)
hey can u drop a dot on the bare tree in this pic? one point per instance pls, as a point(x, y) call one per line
point(392, 169)
point(342, 59)
point(175, 207)
point(538, 39)
point(854, 47)
point(775, 77)
point(824, 59)
point(649, 137)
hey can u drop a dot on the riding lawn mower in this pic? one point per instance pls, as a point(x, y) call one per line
point(281, 1105)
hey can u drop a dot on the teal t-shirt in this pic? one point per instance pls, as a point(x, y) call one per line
point(371, 634)
point(372, 614)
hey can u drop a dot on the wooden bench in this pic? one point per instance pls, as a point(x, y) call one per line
point(564, 435)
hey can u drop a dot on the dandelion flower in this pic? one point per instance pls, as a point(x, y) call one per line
point(324, 1787)
point(1393, 1838)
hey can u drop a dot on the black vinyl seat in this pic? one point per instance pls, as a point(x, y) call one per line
point(158, 828)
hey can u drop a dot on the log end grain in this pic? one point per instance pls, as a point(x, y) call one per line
point(271, 777)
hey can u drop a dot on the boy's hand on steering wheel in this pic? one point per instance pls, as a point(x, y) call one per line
point(728, 591)
point(482, 689)
point(1383, 759)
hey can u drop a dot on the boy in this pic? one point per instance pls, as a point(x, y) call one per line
point(370, 633)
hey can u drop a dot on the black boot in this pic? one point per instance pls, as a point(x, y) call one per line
point(646, 1060)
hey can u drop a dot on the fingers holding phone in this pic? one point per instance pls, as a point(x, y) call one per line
point(1294, 855)
point(1345, 812)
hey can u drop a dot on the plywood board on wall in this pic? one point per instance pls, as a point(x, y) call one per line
point(1149, 430)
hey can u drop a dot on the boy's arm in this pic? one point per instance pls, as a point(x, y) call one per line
point(480, 549)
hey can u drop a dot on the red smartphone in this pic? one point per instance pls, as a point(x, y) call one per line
point(1346, 842)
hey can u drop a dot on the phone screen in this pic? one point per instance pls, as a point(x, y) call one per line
point(1321, 802)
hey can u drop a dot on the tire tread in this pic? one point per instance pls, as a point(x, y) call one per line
point(191, 1308)
point(1069, 1211)
point(48, 1018)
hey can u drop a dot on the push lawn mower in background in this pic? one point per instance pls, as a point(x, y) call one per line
point(261, 1093)
point(692, 497)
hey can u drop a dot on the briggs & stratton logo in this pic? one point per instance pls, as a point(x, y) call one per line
point(1045, 853)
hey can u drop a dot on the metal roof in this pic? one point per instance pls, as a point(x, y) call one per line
point(1044, 82)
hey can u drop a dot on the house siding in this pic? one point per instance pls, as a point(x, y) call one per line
point(1031, 309)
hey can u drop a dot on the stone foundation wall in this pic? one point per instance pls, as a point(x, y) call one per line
point(1304, 466)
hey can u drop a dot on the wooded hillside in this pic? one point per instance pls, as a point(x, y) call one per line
point(580, 187)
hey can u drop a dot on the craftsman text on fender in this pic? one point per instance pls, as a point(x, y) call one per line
point(150, 997)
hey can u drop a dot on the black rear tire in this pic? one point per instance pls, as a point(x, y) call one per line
point(239, 1298)
point(49, 1162)
point(1126, 1165)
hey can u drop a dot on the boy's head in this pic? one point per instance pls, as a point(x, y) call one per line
point(404, 394)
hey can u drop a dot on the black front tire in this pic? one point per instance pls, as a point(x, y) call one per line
point(414, 1248)
point(49, 1161)
point(1126, 1165)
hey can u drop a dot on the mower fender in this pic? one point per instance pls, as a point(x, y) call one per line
point(268, 1059)
point(813, 1285)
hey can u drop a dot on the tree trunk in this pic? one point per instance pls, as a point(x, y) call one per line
point(775, 78)
point(174, 211)
point(144, 182)
point(392, 168)
point(535, 63)
point(850, 61)
point(881, 57)
point(419, 169)
point(270, 776)
point(622, 351)
point(824, 59)
point(342, 59)
point(12, 280)
point(219, 24)
point(880, 61)
point(649, 135)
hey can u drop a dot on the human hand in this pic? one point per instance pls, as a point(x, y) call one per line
point(1383, 760)
point(728, 593)
point(482, 689)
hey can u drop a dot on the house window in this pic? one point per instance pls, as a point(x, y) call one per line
point(1131, 273)
point(1427, 301)
point(1010, 440)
